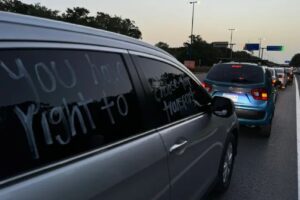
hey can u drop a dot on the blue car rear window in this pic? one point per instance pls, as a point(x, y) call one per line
point(236, 73)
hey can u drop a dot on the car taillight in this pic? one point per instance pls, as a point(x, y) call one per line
point(260, 94)
point(207, 86)
point(273, 82)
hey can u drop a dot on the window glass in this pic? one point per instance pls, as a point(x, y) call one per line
point(175, 94)
point(268, 77)
point(236, 73)
point(280, 70)
point(268, 73)
point(58, 103)
point(272, 72)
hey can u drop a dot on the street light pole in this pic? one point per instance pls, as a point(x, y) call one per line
point(262, 53)
point(193, 3)
point(231, 37)
point(259, 51)
point(260, 48)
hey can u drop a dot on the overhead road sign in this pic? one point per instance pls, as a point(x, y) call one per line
point(252, 47)
point(220, 44)
point(275, 48)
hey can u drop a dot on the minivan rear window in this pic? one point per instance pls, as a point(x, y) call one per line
point(236, 73)
point(272, 72)
point(280, 70)
point(60, 103)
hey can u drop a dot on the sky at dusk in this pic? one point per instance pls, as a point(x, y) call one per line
point(276, 21)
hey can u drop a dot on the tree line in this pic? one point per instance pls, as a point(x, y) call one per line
point(205, 53)
point(77, 15)
point(201, 51)
point(295, 62)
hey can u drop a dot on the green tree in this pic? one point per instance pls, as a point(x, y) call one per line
point(163, 46)
point(28, 9)
point(77, 15)
point(295, 60)
point(117, 24)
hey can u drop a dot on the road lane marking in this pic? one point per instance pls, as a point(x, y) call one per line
point(298, 133)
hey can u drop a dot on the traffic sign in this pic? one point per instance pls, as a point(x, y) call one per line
point(252, 47)
point(275, 48)
point(220, 44)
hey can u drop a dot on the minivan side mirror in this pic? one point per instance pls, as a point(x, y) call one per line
point(222, 107)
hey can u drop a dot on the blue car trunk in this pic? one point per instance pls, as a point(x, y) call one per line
point(238, 93)
point(248, 86)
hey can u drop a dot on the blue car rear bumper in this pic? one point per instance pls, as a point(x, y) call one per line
point(266, 119)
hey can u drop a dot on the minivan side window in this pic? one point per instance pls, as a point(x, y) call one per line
point(59, 103)
point(174, 93)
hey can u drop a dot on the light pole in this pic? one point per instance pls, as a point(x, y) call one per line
point(231, 37)
point(193, 3)
point(260, 48)
point(262, 52)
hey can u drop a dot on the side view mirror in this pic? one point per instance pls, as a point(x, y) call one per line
point(222, 107)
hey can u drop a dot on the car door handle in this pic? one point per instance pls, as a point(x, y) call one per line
point(178, 146)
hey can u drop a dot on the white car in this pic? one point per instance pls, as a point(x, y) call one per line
point(281, 76)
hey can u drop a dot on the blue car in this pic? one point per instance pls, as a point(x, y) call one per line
point(250, 87)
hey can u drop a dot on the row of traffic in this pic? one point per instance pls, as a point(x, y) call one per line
point(253, 89)
point(284, 75)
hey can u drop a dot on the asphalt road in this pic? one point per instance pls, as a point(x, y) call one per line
point(266, 169)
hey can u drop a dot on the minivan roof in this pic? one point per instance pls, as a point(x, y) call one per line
point(18, 27)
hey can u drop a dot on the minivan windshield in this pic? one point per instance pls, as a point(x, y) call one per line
point(236, 73)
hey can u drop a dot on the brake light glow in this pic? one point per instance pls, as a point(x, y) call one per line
point(260, 94)
point(236, 66)
point(273, 82)
point(207, 86)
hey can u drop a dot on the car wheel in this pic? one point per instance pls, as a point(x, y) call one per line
point(266, 130)
point(226, 166)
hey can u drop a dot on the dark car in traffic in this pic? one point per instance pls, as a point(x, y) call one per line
point(283, 78)
point(290, 75)
point(275, 81)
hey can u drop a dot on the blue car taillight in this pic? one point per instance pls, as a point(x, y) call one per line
point(260, 94)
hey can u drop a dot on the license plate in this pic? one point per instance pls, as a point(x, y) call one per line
point(233, 97)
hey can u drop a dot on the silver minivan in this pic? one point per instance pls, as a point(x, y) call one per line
point(89, 114)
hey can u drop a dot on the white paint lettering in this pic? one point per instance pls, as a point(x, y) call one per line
point(42, 66)
point(85, 103)
point(27, 120)
point(46, 129)
point(121, 100)
point(107, 106)
point(60, 80)
point(75, 112)
point(22, 73)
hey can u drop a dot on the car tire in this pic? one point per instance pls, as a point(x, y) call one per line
point(226, 165)
point(266, 130)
